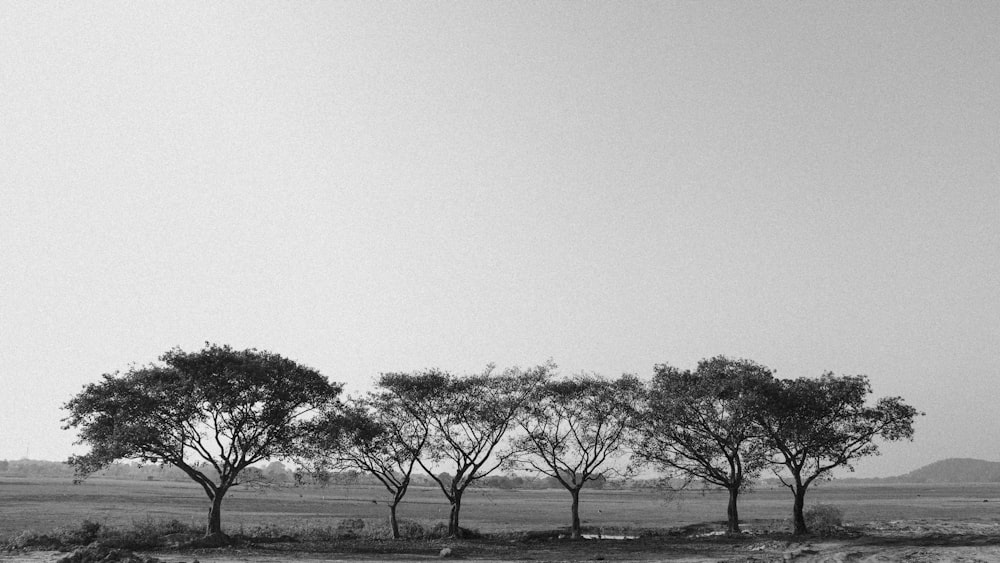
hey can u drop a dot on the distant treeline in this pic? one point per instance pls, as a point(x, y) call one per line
point(35, 468)
point(953, 470)
point(277, 474)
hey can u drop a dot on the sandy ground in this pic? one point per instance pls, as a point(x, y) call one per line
point(916, 541)
point(911, 541)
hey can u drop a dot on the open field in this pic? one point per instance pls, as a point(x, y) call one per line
point(962, 520)
point(47, 503)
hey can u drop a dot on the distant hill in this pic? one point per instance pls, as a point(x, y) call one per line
point(954, 470)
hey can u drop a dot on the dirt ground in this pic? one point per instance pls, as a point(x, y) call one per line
point(910, 540)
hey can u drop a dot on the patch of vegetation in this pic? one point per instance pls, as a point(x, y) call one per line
point(102, 554)
point(58, 539)
point(271, 533)
point(351, 527)
point(347, 529)
point(152, 534)
point(824, 519)
point(30, 539)
point(146, 534)
point(142, 534)
point(408, 530)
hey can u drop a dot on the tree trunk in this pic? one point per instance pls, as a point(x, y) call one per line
point(215, 513)
point(576, 532)
point(732, 512)
point(393, 522)
point(798, 517)
point(454, 530)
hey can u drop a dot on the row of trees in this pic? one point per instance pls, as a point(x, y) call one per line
point(216, 412)
point(729, 420)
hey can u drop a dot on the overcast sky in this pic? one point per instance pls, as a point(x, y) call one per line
point(372, 186)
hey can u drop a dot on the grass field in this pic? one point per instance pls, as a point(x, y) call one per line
point(44, 504)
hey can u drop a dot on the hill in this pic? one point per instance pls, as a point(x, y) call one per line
point(954, 470)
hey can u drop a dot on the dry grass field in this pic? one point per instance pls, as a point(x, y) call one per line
point(47, 503)
point(889, 512)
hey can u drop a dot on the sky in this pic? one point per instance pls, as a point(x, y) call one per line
point(367, 187)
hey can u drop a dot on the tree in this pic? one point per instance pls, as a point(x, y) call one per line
point(572, 427)
point(816, 425)
point(276, 473)
point(374, 435)
point(466, 419)
point(702, 424)
point(210, 413)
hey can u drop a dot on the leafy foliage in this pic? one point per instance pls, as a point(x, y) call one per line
point(141, 534)
point(702, 424)
point(572, 427)
point(465, 418)
point(375, 435)
point(824, 518)
point(210, 413)
point(812, 426)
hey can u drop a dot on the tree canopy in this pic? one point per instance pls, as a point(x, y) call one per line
point(466, 419)
point(702, 424)
point(211, 413)
point(374, 435)
point(571, 428)
point(813, 425)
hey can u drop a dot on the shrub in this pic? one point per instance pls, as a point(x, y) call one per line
point(408, 530)
point(317, 533)
point(265, 533)
point(824, 518)
point(143, 534)
point(378, 530)
point(440, 530)
point(84, 535)
point(350, 527)
point(146, 534)
point(60, 538)
point(33, 540)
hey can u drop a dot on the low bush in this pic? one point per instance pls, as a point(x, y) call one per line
point(60, 538)
point(408, 530)
point(142, 534)
point(440, 530)
point(150, 533)
point(824, 518)
point(350, 527)
point(315, 533)
point(146, 533)
point(84, 535)
point(268, 533)
point(29, 539)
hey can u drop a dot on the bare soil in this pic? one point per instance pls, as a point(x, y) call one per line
point(924, 540)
